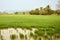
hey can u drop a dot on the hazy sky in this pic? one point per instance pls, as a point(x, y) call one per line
point(22, 5)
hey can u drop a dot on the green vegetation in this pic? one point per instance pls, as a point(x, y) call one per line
point(44, 11)
point(13, 37)
point(28, 21)
point(21, 36)
point(48, 26)
point(45, 20)
point(31, 34)
point(37, 11)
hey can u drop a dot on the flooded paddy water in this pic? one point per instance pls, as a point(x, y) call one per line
point(5, 33)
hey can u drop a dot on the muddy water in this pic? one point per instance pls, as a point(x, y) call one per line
point(5, 33)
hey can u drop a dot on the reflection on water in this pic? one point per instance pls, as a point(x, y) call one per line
point(5, 33)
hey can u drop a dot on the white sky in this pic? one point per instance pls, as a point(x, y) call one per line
point(23, 5)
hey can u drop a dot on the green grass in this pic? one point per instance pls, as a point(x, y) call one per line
point(27, 21)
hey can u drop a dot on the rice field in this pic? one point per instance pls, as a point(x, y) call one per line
point(42, 27)
point(29, 21)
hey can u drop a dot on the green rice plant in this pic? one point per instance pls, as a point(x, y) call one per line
point(13, 37)
point(21, 36)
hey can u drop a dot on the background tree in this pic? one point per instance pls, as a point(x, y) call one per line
point(16, 12)
point(37, 11)
point(41, 11)
point(57, 12)
point(48, 10)
point(58, 8)
point(34, 12)
point(23, 13)
point(58, 5)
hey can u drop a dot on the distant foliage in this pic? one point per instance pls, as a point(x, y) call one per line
point(23, 13)
point(44, 11)
point(58, 12)
point(58, 5)
point(16, 12)
point(40, 11)
point(34, 12)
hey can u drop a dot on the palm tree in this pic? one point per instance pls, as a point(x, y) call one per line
point(13, 37)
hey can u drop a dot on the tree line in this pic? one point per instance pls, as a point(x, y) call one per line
point(38, 11)
point(44, 11)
